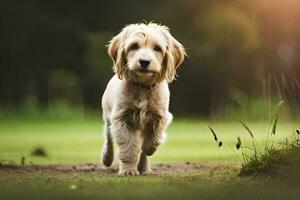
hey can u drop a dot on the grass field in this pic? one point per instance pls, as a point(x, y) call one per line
point(71, 142)
point(203, 184)
point(80, 141)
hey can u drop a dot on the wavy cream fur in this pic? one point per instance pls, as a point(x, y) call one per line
point(136, 105)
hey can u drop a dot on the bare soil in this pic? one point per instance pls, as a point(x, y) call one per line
point(90, 167)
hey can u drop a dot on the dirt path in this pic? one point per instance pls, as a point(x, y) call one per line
point(156, 168)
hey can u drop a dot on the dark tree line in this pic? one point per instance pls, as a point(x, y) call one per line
point(56, 49)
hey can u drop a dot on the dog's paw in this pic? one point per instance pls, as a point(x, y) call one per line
point(146, 173)
point(128, 169)
point(128, 172)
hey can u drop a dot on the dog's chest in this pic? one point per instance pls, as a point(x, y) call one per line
point(143, 100)
point(141, 109)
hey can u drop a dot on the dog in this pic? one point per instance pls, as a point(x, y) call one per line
point(136, 100)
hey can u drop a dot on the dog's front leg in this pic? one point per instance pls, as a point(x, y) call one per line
point(128, 143)
point(144, 165)
point(154, 131)
point(153, 136)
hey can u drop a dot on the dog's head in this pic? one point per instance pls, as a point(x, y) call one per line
point(146, 53)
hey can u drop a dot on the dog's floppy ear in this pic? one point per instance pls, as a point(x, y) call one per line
point(174, 57)
point(113, 47)
point(116, 52)
point(178, 52)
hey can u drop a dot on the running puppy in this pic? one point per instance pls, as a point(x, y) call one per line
point(136, 101)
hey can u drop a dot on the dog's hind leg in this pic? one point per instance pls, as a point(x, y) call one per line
point(108, 150)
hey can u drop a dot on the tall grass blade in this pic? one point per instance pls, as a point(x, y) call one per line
point(252, 136)
point(274, 125)
point(213, 132)
point(274, 119)
point(248, 129)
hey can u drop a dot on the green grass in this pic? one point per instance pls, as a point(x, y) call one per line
point(80, 140)
point(203, 184)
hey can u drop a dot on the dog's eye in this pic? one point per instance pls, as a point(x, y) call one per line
point(134, 46)
point(157, 48)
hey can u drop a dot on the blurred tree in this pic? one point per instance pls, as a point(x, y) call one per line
point(56, 49)
point(230, 48)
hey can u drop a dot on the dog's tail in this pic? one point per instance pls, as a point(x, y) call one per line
point(108, 150)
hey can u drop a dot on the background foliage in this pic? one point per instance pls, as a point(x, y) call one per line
point(53, 52)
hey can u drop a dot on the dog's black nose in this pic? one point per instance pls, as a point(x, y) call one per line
point(144, 63)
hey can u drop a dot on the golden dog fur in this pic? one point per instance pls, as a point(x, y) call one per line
point(136, 101)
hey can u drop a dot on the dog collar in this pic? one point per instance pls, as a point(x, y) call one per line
point(148, 87)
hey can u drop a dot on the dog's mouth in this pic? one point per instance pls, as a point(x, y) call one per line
point(145, 72)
